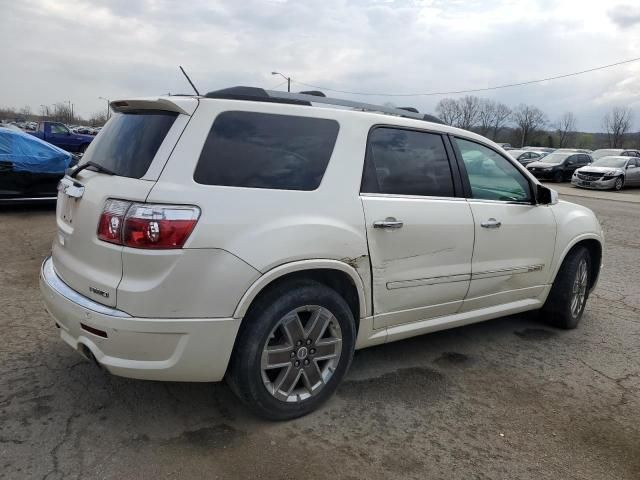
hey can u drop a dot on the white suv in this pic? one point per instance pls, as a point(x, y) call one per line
point(262, 237)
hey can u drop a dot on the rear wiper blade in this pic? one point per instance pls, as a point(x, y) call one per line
point(95, 165)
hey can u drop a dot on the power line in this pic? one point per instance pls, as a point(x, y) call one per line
point(278, 85)
point(473, 89)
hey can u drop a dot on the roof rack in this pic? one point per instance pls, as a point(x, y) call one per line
point(307, 98)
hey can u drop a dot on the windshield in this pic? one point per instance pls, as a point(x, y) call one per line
point(612, 162)
point(555, 158)
point(129, 141)
point(605, 153)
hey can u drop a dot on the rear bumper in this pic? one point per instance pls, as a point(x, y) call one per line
point(196, 350)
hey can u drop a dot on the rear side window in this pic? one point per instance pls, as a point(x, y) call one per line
point(406, 162)
point(129, 141)
point(262, 150)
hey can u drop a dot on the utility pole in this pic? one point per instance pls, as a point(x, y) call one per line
point(108, 107)
point(71, 108)
point(288, 79)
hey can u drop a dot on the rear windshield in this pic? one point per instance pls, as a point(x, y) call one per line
point(129, 141)
point(262, 150)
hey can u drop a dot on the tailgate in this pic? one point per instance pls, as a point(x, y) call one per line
point(135, 145)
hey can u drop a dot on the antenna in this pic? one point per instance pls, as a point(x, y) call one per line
point(189, 80)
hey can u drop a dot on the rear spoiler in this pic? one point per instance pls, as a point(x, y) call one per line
point(182, 105)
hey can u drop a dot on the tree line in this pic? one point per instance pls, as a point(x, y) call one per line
point(528, 125)
point(58, 112)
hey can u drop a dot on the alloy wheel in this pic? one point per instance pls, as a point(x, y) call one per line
point(618, 184)
point(301, 353)
point(579, 293)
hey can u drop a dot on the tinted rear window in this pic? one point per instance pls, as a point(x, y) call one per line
point(261, 150)
point(406, 162)
point(129, 141)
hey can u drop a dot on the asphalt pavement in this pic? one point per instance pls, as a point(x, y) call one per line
point(506, 399)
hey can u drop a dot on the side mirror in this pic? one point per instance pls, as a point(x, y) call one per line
point(545, 195)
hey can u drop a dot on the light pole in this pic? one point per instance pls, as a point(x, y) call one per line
point(45, 111)
point(71, 107)
point(288, 79)
point(108, 101)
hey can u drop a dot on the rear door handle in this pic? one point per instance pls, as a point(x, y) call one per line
point(389, 222)
point(491, 223)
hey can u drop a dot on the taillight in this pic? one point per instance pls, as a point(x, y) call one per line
point(111, 221)
point(141, 225)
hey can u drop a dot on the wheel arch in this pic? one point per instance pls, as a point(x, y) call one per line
point(334, 273)
point(593, 244)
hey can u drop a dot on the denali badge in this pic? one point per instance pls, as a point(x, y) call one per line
point(99, 292)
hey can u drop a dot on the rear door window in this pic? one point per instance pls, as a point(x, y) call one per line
point(129, 141)
point(262, 150)
point(407, 162)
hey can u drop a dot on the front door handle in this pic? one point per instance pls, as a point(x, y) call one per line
point(491, 223)
point(389, 222)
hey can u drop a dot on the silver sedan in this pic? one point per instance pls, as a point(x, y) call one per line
point(608, 173)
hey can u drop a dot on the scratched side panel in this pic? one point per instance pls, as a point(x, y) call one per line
point(421, 270)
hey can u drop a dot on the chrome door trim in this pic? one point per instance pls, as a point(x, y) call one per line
point(506, 271)
point(419, 282)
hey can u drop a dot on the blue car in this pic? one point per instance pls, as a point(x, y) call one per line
point(30, 168)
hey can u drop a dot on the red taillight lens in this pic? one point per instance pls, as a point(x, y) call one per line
point(147, 226)
point(111, 221)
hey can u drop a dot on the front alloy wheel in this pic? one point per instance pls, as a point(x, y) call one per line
point(619, 183)
point(568, 296)
point(579, 292)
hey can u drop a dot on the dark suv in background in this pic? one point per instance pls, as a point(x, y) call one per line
point(559, 166)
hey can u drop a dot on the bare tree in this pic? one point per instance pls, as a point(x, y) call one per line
point(486, 115)
point(26, 111)
point(469, 107)
point(448, 111)
point(565, 127)
point(500, 119)
point(528, 119)
point(616, 124)
point(98, 119)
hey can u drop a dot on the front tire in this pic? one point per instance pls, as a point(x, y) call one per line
point(295, 345)
point(619, 183)
point(566, 302)
point(558, 177)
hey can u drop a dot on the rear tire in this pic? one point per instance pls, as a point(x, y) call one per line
point(294, 346)
point(570, 290)
point(618, 184)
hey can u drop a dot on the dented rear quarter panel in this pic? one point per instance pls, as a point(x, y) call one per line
point(268, 228)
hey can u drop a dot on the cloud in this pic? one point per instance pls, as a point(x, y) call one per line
point(80, 50)
point(625, 16)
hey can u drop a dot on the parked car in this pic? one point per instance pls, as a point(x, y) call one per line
point(30, 168)
point(609, 173)
point(573, 150)
point(525, 157)
point(252, 236)
point(506, 146)
point(612, 152)
point(59, 135)
point(559, 165)
point(540, 149)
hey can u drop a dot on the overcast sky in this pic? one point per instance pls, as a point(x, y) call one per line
point(61, 50)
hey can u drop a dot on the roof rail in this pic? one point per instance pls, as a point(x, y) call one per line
point(307, 98)
point(365, 107)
